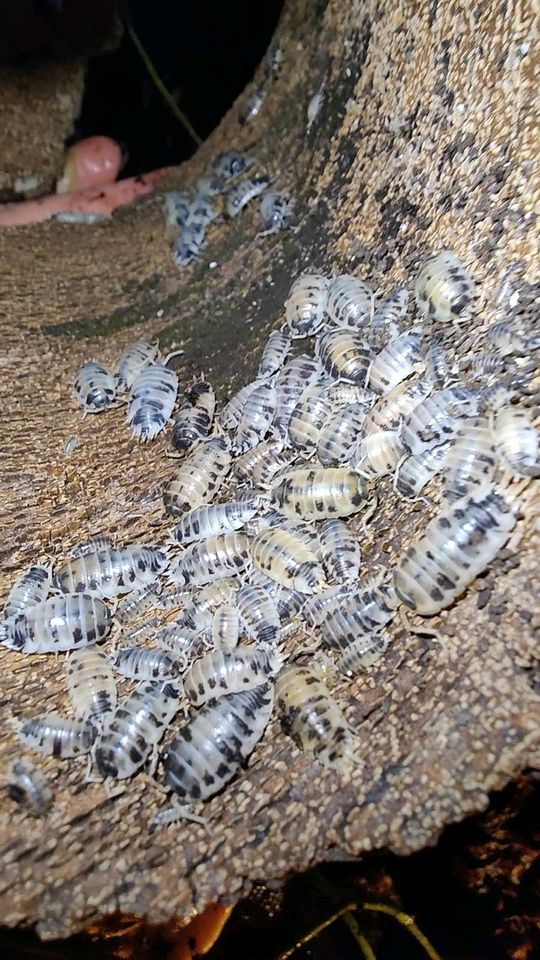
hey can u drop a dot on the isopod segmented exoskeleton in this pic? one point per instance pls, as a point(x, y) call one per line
point(202, 562)
point(181, 641)
point(389, 315)
point(189, 244)
point(363, 652)
point(310, 714)
point(65, 622)
point(137, 602)
point(296, 375)
point(388, 412)
point(225, 627)
point(256, 417)
point(152, 400)
point(339, 434)
point(436, 418)
point(30, 787)
point(136, 728)
point(288, 559)
point(223, 672)
point(416, 471)
point(470, 461)
point(176, 206)
point(309, 416)
point(436, 362)
point(28, 590)
point(517, 441)
point(344, 355)
point(94, 387)
point(194, 419)
point(275, 352)
point(57, 736)
point(395, 362)
point(443, 288)
point(231, 164)
point(340, 551)
point(306, 304)
point(367, 609)
point(133, 359)
point(199, 477)
point(198, 615)
point(259, 613)
point(213, 519)
point(243, 192)
point(315, 608)
point(99, 542)
point(111, 572)
point(91, 685)
point(455, 547)
point(320, 492)
point(350, 302)
point(276, 208)
point(377, 454)
point(229, 417)
point(207, 752)
point(202, 212)
point(147, 663)
point(260, 464)
point(141, 632)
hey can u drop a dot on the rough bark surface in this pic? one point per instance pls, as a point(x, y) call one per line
point(425, 141)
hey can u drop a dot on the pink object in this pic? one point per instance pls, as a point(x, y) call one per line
point(90, 163)
point(98, 201)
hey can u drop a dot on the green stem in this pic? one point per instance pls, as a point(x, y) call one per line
point(407, 922)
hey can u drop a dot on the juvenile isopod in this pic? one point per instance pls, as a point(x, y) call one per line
point(275, 352)
point(257, 415)
point(133, 359)
point(99, 542)
point(455, 547)
point(29, 787)
point(147, 663)
point(306, 304)
point(388, 412)
point(320, 492)
point(152, 400)
point(202, 213)
point(516, 441)
point(389, 315)
point(223, 672)
point(91, 685)
point(309, 416)
point(57, 736)
point(206, 753)
point(136, 728)
point(225, 627)
point(206, 560)
point(276, 208)
point(258, 613)
point(311, 716)
point(339, 434)
point(344, 355)
point(363, 652)
point(189, 244)
point(262, 462)
point(377, 454)
point(470, 461)
point(176, 207)
point(110, 572)
point(366, 609)
point(350, 302)
point(314, 106)
point(340, 551)
point(28, 590)
point(231, 164)
point(137, 602)
point(198, 615)
point(214, 519)
point(395, 362)
point(436, 361)
point(199, 477)
point(252, 106)
point(296, 375)
point(288, 559)
point(443, 288)
point(243, 192)
point(65, 622)
point(416, 471)
point(94, 387)
point(229, 417)
point(194, 419)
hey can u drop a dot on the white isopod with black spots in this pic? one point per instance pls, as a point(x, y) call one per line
point(147, 663)
point(276, 208)
point(456, 546)
point(306, 304)
point(443, 288)
point(214, 519)
point(220, 672)
point(276, 350)
point(57, 736)
point(395, 362)
point(296, 375)
point(136, 728)
point(350, 302)
point(94, 387)
point(110, 572)
point(309, 416)
point(259, 613)
point(344, 355)
point(436, 418)
point(470, 461)
point(133, 359)
point(28, 590)
point(66, 622)
point(91, 685)
point(377, 454)
point(339, 434)
point(30, 788)
point(202, 562)
point(288, 560)
point(195, 416)
point(256, 417)
point(340, 551)
point(152, 400)
point(243, 192)
point(517, 441)
point(225, 627)
point(200, 476)
point(317, 493)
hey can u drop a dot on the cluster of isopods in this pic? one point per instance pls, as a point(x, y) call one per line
point(222, 194)
point(290, 458)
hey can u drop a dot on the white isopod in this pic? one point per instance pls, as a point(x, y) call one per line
point(288, 559)
point(470, 461)
point(220, 673)
point(296, 375)
point(443, 288)
point(389, 315)
point(306, 304)
point(276, 208)
point(363, 652)
point(309, 416)
point(350, 302)
point(152, 400)
point(365, 610)
point(30, 787)
point(147, 663)
point(252, 106)
point(243, 192)
point(262, 462)
point(137, 602)
point(206, 753)
point(91, 685)
point(395, 362)
point(133, 359)
point(222, 556)
point(94, 387)
point(257, 415)
point(456, 546)
point(225, 627)
point(231, 164)
point(259, 613)
point(339, 434)
point(344, 355)
point(436, 418)
point(517, 441)
point(377, 454)
point(176, 206)
point(136, 728)
point(436, 361)
point(416, 471)
point(340, 551)
point(65, 622)
point(200, 476)
point(110, 572)
point(275, 352)
point(388, 412)
point(194, 419)
point(229, 417)
point(213, 519)
point(320, 492)
point(57, 736)
point(189, 244)
point(28, 590)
